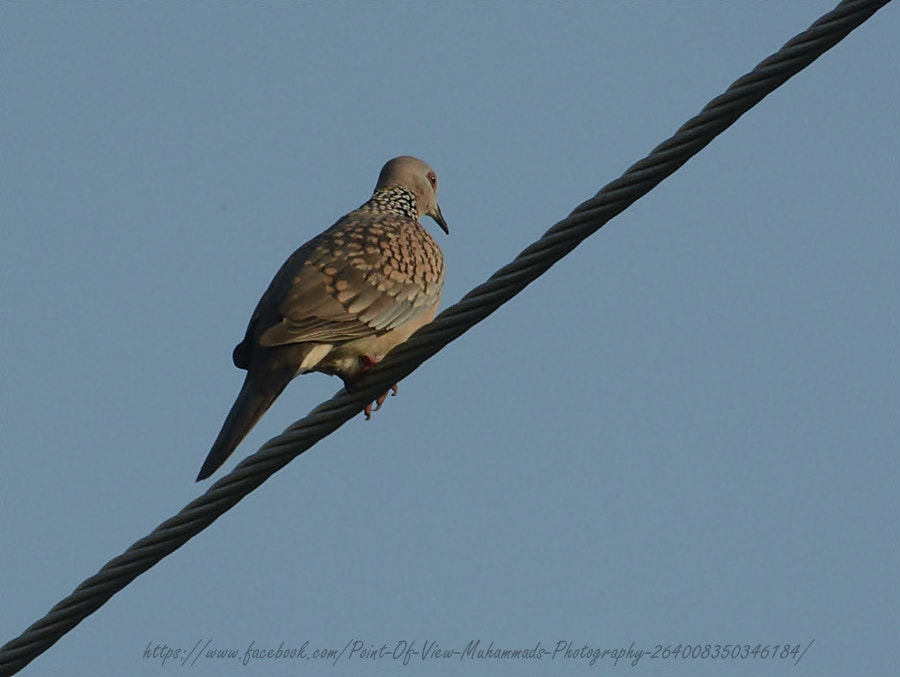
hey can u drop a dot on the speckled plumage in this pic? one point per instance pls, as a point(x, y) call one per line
point(343, 300)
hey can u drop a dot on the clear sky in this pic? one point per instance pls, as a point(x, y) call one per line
point(685, 433)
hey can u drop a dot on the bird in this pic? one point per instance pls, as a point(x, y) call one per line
point(343, 300)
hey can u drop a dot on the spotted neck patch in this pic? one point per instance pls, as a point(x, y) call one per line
point(395, 200)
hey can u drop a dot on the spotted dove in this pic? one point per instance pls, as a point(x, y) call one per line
point(343, 299)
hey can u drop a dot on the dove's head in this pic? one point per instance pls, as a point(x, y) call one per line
point(413, 174)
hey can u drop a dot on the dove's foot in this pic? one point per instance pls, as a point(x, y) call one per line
point(366, 363)
point(377, 403)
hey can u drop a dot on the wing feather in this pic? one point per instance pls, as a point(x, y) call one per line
point(344, 285)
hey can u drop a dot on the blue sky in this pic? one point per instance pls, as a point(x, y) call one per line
point(685, 433)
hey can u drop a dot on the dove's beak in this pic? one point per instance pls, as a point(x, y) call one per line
point(439, 218)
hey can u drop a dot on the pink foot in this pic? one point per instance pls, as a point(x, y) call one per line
point(366, 363)
point(378, 402)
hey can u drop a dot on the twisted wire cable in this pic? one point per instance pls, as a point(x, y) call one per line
point(532, 262)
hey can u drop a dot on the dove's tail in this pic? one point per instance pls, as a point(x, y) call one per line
point(256, 396)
